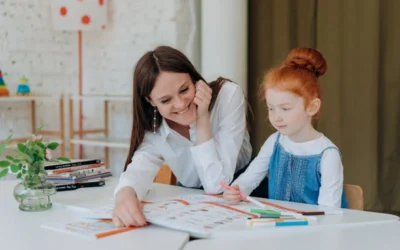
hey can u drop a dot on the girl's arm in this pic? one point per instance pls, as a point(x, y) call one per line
point(331, 190)
point(141, 172)
point(258, 169)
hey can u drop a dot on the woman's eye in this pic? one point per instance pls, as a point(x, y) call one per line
point(165, 101)
point(286, 109)
point(184, 90)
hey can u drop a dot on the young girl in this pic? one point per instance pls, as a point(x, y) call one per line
point(303, 165)
point(198, 129)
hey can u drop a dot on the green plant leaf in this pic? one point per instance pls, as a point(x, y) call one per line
point(26, 157)
point(14, 169)
point(40, 144)
point(63, 159)
point(23, 171)
point(4, 164)
point(3, 172)
point(16, 160)
point(52, 145)
point(9, 157)
point(19, 175)
point(21, 147)
point(4, 144)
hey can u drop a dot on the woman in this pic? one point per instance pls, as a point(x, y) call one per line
point(198, 129)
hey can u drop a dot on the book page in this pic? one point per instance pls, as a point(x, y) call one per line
point(154, 208)
point(201, 219)
point(89, 228)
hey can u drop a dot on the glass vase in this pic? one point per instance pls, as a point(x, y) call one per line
point(34, 192)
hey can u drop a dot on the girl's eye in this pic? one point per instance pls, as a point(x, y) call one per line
point(270, 109)
point(165, 101)
point(184, 90)
point(286, 109)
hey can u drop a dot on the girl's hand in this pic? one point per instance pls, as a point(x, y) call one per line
point(202, 98)
point(128, 210)
point(232, 197)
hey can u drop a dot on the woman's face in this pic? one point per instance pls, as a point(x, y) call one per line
point(173, 95)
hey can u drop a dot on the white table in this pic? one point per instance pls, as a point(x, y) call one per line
point(366, 237)
point(22, 230)
point(349, 219)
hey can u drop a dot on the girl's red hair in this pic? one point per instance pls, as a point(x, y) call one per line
point(298, 74)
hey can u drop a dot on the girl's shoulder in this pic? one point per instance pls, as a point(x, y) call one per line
point(326, 143)
point(314, 147)
point(270, 142)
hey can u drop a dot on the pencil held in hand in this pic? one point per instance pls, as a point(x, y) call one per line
point(232, 195)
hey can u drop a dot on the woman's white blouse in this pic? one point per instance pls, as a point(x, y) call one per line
point(204, 165)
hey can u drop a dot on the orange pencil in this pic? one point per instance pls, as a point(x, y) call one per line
point(254, 201)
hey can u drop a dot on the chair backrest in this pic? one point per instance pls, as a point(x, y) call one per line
point(355, 196)
point(165, 176)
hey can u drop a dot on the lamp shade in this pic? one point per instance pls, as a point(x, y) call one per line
point(79, 14)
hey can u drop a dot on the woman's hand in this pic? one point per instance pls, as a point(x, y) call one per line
point(232, 197)
point(128, 210)
point(202, 98)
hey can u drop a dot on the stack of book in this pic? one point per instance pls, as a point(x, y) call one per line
point(76, 174)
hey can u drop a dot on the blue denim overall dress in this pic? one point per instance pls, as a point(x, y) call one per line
point(296, 178)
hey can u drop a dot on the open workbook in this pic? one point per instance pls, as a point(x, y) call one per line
point(199, 215)
point(88, 228)
point(202, 216)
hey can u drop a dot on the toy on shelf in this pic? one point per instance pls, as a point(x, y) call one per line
point(3, 88)
point(23, 87)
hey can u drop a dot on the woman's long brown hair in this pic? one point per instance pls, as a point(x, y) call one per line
point(147, 69)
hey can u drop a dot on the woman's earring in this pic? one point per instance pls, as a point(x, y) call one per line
point(154, 119)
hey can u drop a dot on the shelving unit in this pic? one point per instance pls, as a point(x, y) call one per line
point(104, 141)
point(47, 134)
point(164, 176)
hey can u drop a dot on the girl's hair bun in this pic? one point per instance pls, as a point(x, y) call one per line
point(307, 58)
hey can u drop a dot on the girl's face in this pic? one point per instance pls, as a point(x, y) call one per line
point(173, 95)
point(287, 114)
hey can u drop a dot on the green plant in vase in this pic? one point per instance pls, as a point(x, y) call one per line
point(34, 191)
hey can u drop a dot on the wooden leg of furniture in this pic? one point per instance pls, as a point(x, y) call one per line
point(71, 128)
point(106, 149)
point(33, 116)
point(62, 146)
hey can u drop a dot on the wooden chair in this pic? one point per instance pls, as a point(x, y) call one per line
point(355, 196)
point(165, 176)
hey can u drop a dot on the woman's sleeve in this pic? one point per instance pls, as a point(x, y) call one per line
point(216, 158)
point(141, 172)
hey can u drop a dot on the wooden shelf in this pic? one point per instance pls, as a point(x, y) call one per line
point(58, 135)
point(101, 136)
point(103, 98)
point(16, 98)
point(165, 175)
point(104, 142)
point(13, 145)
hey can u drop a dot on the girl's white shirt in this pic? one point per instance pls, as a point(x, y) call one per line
point(204, 165)
point(330, 192)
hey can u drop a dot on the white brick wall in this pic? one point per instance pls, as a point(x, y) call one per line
point(30, 47)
